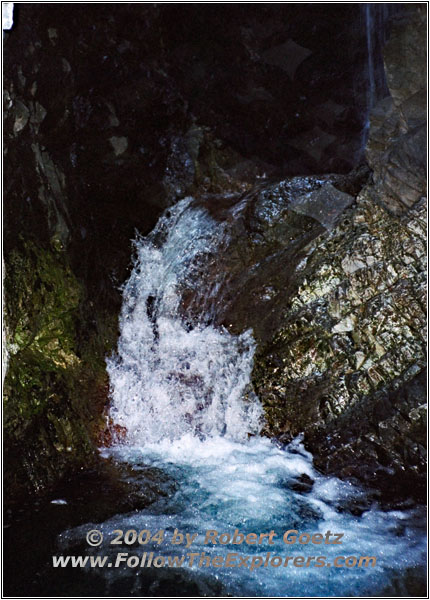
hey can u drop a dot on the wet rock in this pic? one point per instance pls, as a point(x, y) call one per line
point(349, 332)
point(264, 230)
point(396, 149)
point(346, 366)
point(21, 117)
point(287, 56)
point(302, 484)
point(48, 425)
point(119, 144)
point(324, 204)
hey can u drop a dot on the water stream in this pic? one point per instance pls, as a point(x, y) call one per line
point(370, 58)
point(180, 386)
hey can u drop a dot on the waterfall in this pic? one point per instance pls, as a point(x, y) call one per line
point(180, 385)
point(171, 377)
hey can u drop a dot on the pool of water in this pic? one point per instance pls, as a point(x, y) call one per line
point(253, 487)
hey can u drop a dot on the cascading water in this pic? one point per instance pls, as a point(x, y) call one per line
point(170, 378)
point(180, 386)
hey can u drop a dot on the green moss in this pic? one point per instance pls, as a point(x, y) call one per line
point(50, 419)
point(41, 297)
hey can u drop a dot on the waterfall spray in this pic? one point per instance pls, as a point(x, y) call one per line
point(170, 377)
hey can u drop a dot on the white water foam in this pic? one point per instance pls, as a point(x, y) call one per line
point(225, 485)
point(169, 378)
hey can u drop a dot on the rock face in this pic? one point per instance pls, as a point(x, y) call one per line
point(353, 333)
point(396, 150)
point(347, 365)
point(98, 141)
point(267, 232)
point(289, 84)
point(114, 112)
point(55, 387)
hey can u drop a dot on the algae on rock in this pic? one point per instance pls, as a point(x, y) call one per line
point(48, 422)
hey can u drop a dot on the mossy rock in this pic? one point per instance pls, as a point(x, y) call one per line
point(55, 385)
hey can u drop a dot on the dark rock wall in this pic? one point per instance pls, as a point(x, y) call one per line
point(287, 84)
point(115, 111)
point(397, 147)
point(347, 367)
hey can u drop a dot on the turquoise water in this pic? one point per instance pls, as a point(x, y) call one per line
point(255, 487)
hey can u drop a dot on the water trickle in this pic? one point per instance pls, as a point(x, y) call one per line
point(370, 67)
point(375, 20)
point(370, 59)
